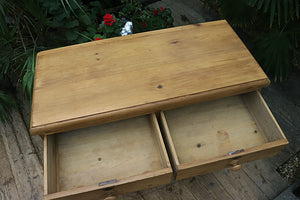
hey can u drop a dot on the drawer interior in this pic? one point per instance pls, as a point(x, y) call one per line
point(112, 151)
point(219, 128)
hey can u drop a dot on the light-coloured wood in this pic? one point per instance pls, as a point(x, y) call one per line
point(50, 165)
point(160, 141)
point(236, 167)
point(168, 139)
point(127, 156)
point(212, 129)
point(187, 170)
point(209, 136)
point(81, 85)
point(131, 184)
point(263, 117)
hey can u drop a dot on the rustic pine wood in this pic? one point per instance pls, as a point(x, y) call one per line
point(123, 77)
point(200, 136)
point(51, 175)
point(130, 151)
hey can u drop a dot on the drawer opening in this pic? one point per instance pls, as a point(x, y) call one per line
point(219, 129)
point(115, 153)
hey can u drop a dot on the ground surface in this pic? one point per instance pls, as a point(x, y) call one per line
point(21, 155)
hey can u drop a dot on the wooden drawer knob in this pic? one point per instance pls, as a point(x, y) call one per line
point(110, 198)
point(236, 167)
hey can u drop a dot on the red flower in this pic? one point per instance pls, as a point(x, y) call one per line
point(108, 19)
point(155, 12)
point(97, 39)
point(144, 24)
point(161, 8)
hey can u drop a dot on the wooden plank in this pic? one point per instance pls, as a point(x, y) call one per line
point(122, 186)
point(24, 162)
point(239, 185)
point(160, 143)
point(152, 193)
point(186, 170)
point(99, 74)
point(264, 175)
point(169, 140)
point(51, 176)
point(263, 116)
point(8, 188)
point(176, 191)
point(207, 187)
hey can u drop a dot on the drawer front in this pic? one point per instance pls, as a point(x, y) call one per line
point(105, 160)
point(233, 162)
point(119, 187)
point(219, 134)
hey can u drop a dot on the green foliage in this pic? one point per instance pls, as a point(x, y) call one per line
point(108, 31)
point(7, 102)
point(146, 19)
point(274, 26)
point(238, 12)
point(29, 26)
point(143, 19)
point(273, 50)
point(284, 10)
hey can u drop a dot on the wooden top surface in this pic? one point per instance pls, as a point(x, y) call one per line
point(112, 79)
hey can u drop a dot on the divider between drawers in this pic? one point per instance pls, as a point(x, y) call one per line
point(169, 143)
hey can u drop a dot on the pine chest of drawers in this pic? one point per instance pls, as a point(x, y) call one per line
point(134, 112)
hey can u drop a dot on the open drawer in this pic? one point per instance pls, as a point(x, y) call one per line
point(105, 160)
point(209, 136)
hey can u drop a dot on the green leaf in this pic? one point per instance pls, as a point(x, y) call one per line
point(95, 4)
point(260, 3)
point(91, 30)
point(72, 24)
point(273, 51)
point(273, 7)
point(7, 103)
point(71, 35)
point(266, 6)
point(85, 19)
point(297, 8)
point(98, 36)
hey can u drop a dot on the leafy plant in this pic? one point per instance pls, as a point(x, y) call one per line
point(285, 10)
point(238, 12)
point(143, 19)
point(110, 27)
point(29, 26)
point(276, 32)
point(146, 19)
point(7, 102)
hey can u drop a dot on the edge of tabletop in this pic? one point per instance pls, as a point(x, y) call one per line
point(144, 109)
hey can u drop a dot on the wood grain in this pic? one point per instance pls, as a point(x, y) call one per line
point(201, 136)
point(50, 165)
point(131, 152)
point(24, 162)
point(123, 77)
point(8, 188)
